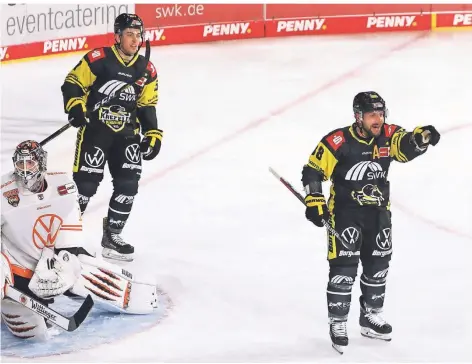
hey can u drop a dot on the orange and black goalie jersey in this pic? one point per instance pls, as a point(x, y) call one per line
point(358, 167)
point(99, 74)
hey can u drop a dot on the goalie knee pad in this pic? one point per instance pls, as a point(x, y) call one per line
point(22, 322)
point(338, 292)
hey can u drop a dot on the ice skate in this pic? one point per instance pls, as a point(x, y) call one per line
point(114, 247)
point(338, 334)
point(372, 323)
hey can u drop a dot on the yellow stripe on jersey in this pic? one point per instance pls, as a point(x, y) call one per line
point(149, 95)
point(323, 160)
point(332, 254)
point(81, 76)
point(78, 148)
point(395, 150)
point(120, 59)
point(74, 101)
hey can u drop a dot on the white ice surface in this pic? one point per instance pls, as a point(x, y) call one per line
point(230, 244)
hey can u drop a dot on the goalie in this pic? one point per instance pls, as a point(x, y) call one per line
point(42, 251)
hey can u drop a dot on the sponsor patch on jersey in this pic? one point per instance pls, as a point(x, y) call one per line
point(66, 189)
point(389, 130)
point(7, 183)
point(141, 82)
point(46, 230)
point(55, 173)
point(12, 197)
point(335, 140)
point(96, 54)
point(384, 152)
point(150, 67)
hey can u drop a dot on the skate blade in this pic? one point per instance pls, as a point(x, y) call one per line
point(371, 334)
point(112, 254)
point(338, 348)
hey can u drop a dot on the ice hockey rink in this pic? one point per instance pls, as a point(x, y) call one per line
point(245, 270)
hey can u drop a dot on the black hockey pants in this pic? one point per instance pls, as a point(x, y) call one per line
point(97, 146)
point(368, 231)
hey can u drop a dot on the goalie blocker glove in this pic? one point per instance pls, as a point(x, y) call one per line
point(316, 208)
point(151, 144)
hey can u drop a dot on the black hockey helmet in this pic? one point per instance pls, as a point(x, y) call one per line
point(368, 101)
point(126, 20)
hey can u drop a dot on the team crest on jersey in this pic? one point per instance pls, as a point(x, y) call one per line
point(114, 116)
point(368, 195)
point(12, 197)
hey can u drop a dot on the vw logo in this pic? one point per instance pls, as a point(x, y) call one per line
point(95, 160)
point(384, 239)
point(133, 153)
point(351, 235)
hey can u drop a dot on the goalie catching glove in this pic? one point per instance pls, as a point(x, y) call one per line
point(316, 208)
point(151, 144)
point(54, 274)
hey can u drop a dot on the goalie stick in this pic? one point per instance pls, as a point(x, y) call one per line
point(302, 200)
point(66, 323)
point(107, 98)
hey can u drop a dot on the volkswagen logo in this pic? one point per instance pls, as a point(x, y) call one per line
point(133, 153)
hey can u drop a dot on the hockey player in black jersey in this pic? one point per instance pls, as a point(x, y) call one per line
point(356, 159)
point(113, 132)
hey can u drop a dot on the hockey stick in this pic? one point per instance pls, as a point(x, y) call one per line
point(107, 98)
point(66, 323)
point(302, 200)
point(55, 134)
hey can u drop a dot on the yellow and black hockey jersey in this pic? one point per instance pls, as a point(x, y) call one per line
point(358, 167)
point(100, 73)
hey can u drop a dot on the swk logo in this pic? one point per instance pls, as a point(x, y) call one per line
point(358, 171)
point(384, 239)
point(45, 230)
point(133, 154)
point(351, 235)
point(95, 160)
point(111, 87)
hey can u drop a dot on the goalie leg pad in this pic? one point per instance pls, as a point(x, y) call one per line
point(114, 288)
point(22, 322)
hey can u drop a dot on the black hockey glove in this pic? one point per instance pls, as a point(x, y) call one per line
point(316, 208)
point(151, 144)
point(424, 135)
point(77, 116)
